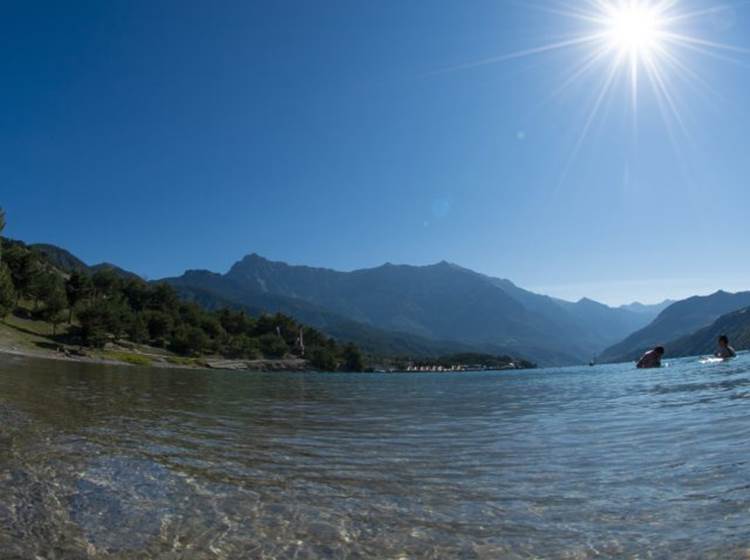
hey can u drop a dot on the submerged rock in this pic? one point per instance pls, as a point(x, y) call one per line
point(121, 503)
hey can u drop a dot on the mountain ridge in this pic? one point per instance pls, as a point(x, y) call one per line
point(68, 262)
point(425, 310)
point(441, 301)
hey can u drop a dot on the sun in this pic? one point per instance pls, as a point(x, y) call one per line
point(634, 29)
point(649, 47)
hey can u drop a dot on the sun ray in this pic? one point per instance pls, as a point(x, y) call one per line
point(567, 13)
point(686, 16)
point(593, 113)
point(662, 90)
point(705, 51)
point(581, 70)
point(687, 39)
point(577, 41)
point(650, 44)
point(687, 74)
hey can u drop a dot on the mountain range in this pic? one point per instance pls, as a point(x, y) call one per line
point(441, 307)
point(428, 311)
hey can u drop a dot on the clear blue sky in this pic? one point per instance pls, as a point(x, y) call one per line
point(169, 135)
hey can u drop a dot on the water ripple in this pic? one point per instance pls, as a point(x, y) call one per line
point(570, 464)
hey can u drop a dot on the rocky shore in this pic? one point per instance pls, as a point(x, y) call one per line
point(18, 342)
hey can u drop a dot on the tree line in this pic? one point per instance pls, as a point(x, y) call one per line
point(106, 307)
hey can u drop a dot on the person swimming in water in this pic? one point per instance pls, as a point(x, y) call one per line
point(651, 359)
point(725, 352)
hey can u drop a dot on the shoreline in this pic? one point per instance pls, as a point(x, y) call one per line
point(28, 339)
point(20, 341)
point(162, 362)
point(294, 365)
point(87, 359)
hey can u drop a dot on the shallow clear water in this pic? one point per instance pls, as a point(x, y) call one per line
point(576, 463)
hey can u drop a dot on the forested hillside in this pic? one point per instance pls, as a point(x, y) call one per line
point(93, 308)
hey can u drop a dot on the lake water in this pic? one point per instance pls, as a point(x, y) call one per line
point(105, 462)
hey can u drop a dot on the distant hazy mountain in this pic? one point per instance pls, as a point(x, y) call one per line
point(66, 261)
point(736, 325)
point(606, 324)
point(592, 324)
point(653, 309)
point(680, 319)
point(441, 303)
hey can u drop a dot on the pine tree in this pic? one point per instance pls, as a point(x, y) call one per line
point(2, 227)
point(78, 288)
point(55, 303)
point(7, 292)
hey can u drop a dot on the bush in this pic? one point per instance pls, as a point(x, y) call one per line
point(211, 326)
point(137, 330)
point(159, 324)
point(103, 318)
point(235, 322)
point(323, 359)
point(93, 326)
point(352, 359)
point(273, 346)
point(189, 341)
point(242, 347)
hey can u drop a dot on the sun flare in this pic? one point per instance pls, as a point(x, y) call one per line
point(634, 29)
point(651, 47)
